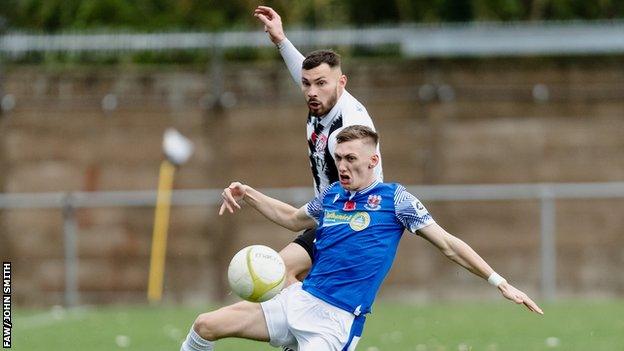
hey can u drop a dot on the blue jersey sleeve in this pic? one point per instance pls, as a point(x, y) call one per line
point(410, 211)
point(314, 208)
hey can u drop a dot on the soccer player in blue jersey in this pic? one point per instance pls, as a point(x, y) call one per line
point(330, 109)
point(360, 222)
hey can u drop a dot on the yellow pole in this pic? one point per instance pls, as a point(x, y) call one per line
point(159, 238)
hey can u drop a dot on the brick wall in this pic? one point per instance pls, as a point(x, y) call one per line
point(457, 122)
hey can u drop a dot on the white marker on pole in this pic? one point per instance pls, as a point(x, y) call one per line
point(178, 149)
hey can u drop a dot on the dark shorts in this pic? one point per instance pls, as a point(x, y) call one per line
point(306, 240)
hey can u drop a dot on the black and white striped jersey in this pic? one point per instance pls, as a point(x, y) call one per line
point(321, 132)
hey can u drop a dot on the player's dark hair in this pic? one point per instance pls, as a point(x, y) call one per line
point(357, 132)
point(318, 57)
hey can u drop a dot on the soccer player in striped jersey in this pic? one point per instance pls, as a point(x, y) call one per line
point(360, 222)
point(331, 108)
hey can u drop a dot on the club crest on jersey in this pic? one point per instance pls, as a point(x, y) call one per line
point(373, 203)
point(359, 221)
point(349, 206)
point(319, 141)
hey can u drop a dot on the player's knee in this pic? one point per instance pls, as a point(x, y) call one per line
point(290, 279)
point(225, 322)
point(206, 326)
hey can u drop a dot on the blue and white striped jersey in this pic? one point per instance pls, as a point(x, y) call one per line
point(356, 241)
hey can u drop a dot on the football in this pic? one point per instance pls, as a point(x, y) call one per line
point(256, 273)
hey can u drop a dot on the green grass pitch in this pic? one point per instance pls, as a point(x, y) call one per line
point(488, 326)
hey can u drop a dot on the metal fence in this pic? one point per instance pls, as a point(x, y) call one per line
point(546, 193)
point(443, 40)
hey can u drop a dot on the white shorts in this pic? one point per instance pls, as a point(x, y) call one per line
point(302, 322)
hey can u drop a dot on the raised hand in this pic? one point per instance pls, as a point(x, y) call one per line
point(231, 195)
point(272, 23)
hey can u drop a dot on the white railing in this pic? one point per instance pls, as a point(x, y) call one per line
point(443, 40)
point(546, 193)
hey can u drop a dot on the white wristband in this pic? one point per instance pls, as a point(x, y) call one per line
point(495, 279)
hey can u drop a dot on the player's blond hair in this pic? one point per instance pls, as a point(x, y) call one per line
point(357, 132)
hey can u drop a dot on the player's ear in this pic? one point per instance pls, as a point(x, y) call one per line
point(374, 161)
point(342, 81)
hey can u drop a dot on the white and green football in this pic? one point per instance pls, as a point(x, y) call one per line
point(256, 273)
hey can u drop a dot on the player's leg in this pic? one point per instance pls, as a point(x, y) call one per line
point(338, 339)
point(297, 262)
point(324, 343)
point(243, 320)
point(298, 256)
point(317, 325)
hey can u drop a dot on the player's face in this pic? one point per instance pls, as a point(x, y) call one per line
point(322, 85)
point(356, 160)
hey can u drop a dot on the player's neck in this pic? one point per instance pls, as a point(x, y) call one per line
point(339, 95)
point(368, 183)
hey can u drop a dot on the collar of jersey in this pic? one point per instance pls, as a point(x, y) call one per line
point(329, 116)
point(352, 194)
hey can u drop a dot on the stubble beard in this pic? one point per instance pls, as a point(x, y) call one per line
point(331, 102)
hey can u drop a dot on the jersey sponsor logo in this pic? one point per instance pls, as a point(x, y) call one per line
point(320, 163)
point(356, 220)
point(373, 203)
point(349, 206)
point(336, 217)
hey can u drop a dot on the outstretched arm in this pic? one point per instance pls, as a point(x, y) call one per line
point(461, 253)
point(278, 212)
point(273, 27)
